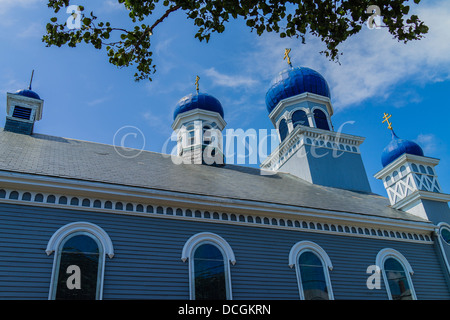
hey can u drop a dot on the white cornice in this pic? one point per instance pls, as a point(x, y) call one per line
point(314, 134)
point(306, 96)
point(91, 190)
point(198, 114)
point(421, 194)
point(397, 163)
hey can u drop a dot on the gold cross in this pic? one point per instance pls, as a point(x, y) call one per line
point(286, 55)
point(386, 119)
point(196, 82)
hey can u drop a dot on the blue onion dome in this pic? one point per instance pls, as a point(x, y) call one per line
point(397, 147)
point(28, 93)
point(294, 81)
point(198, 101)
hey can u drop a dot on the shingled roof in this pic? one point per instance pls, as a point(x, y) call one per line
point(75, 159)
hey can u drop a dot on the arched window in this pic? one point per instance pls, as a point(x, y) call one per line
point(79, 261)
point(209, 273)
point(396, 274)
point(312, 265)
point(283, 130)
point(321, 119)
point(190, 136)
point(299, 117)
point(207, 136)
point(209, 257)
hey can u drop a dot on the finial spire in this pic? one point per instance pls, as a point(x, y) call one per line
point(31, 80)
point(386, 118)
point(196, 82)
point(286, 55)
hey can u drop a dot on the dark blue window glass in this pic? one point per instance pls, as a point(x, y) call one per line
point(321, 120)
point(283, 129)
point(312, 277)
point(397, 279)
point(83, 252)
point(445, 233)
point(209, 273)
point(300, 117)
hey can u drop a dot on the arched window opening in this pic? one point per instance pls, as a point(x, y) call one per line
point(78, 268)
point(283, 130)
point(209, 273)
point(207, 135)
point(396, 274)
point(299, 117)
point(397, 279)
point(321, 119)
point(190, 136)
point(312, 265)
point(209, 258)
point(312, 276)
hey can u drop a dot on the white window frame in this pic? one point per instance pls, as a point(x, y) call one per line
point(66, 232)
point(387, 253)
point(208, 238)
point(304, 246)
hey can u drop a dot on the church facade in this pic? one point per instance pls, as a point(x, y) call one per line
point(79, 221)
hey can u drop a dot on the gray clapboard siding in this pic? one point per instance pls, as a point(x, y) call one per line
point(147, 262)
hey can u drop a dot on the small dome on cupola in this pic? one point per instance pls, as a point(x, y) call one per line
point(398, 146)
point(198, 100)
point(294, 81)
point(28, 93)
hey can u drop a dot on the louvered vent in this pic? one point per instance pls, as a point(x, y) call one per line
point(22, 113)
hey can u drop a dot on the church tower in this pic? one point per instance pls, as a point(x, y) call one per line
point(23, 109)
point(412, 185)
point(198, 123)
point(299, 106)
point(411, 181)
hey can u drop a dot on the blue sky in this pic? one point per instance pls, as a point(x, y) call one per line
point(89, 99)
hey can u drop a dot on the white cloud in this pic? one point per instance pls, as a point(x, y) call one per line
point(97, 101)
point(372, 64)
point(232, 81)
point(33, 30)
point(428, 143)
point(7, 4)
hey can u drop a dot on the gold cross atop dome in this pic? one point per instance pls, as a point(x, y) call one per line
point(286, 55)
point(386, 119)
point(196, 82)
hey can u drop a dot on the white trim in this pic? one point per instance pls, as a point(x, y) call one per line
point(199, 114)
point(386, 253)
point(419, 195)
point(96, 191)
point(64, 231)
point(208, 238)
point(304, 109)
point(70, 230)
point(327, 116)
point(306, 96)
point(297, 138)
point(304, 246)
point(442, 243)
point(241, 212)
point(406, 157)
